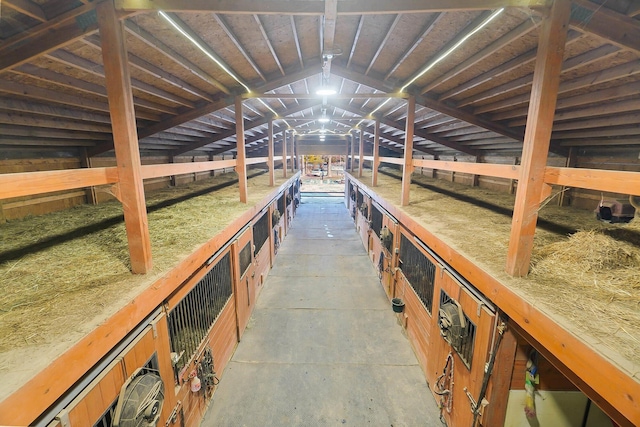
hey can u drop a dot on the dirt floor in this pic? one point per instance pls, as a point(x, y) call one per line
point(65, 272)
point(584, 272)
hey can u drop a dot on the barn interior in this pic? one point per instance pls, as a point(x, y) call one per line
point(152, 150)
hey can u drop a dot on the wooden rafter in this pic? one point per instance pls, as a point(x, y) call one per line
point(296, 40)
point(28, 8)
point(521, 30)
point(316, 7)
point(234, 39)
point(382, 44)
point(274, 55)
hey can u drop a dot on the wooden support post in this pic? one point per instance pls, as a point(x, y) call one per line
point(433, 171)
point(329, 168)
point(125, 136)
point(272, 174)
point(407, 169)
point(361, 153)
point(353, 142)
point(376, 154)
point(544, 93)
point(85, 162)
point(212, 172)
point(512, 182)
point(475, 179)
point(572, 159)
point(346, 157)
point(241, 163)
point(293, 153)
point(284, 153)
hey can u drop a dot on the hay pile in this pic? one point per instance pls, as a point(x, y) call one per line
point(584, 272)
point(594, 280)
point(64, 272)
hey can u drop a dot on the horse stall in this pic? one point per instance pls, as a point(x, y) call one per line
point(164, 343)
point(487, 363)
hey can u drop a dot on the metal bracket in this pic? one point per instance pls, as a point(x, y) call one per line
point(173, 416)
point(63, 417)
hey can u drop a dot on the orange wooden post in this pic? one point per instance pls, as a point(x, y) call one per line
point(361, 153)
point(407, 169)
point(544, 92)
point(376, 154)
point(353, 142)
point(284, 153)
point(125, 137)
point(272, 175)
point(241, 163)
point(293, 152)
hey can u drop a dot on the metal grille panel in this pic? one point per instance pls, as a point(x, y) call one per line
point(419, 271)
point(245, 258)
point(376, 219)
point(191, 318)
point(260, 232)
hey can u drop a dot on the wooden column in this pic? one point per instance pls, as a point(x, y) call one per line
point(544, 91)
point(475, 179)
point(346, 157)
point(407, 169)
point(329, 168)
point(284, 153)
point(376, 154)
point(241, 163)
point(125, 137)
point(361, 154)
point(272, 174)
point(353, 142)
point(293, 153)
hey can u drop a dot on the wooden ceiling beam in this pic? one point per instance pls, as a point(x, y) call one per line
point(603, 95)
point(274, 55)
point(75, 84)
point(8, 140)
point(296, 39)
point(381, 46)
point(423, 34)
point(521, 30)
point(15, 105)
point(599, 122)
point(44, 133)
point(401, 126)
point(507, 67)
point(234, 39)
point(598, 54)
point(27, 7)
point(600, 142)
point(316, 7)
point(432, 104)
point(154, 43)
point(356, 38)
point(618, 29)
point(232, 132)
point(23, 120)
point(91, 67)
point(155, 71)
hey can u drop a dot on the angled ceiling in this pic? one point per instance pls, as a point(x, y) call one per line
point(468, 63)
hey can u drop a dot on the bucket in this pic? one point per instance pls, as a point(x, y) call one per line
point(398, 305)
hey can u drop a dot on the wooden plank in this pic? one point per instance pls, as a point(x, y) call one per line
point(544, 92)
point(30, 183)
point(27, 7)
point(594, 179)
point(125, 137)
point(256, 160)
point(46, 199)
point(392, 160)
point(407, 168)
point(284, 154)
point(376, 154)
point(169, 169)
point(316, 7)
point(485, 169)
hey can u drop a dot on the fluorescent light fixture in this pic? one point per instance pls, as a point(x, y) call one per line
point(202, 48)
point(326, 91)
point(321, 137)
point(452, 48)
point(323, 131)
point(324, 119)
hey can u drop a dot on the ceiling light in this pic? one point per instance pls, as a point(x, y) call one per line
point(326, 91)
point(324, 119)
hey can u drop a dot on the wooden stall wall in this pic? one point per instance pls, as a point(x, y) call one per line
point(383, 256)
point(620, 160)
point(45, 203)
point(244, 292)
point(362, 218)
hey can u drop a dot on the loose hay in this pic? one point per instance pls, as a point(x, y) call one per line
point(589, 278)
point(64, 282)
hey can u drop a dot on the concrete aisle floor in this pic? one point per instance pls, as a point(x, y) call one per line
point(323, 346)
